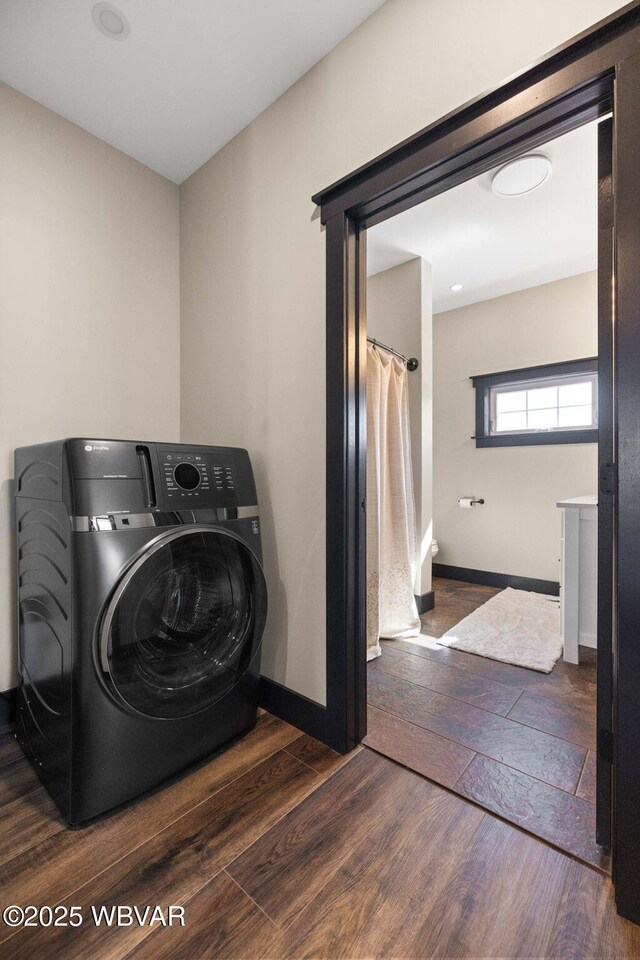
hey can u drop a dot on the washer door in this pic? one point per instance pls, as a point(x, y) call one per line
point(184, 622)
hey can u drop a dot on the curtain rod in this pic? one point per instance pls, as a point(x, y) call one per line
point(412, 362)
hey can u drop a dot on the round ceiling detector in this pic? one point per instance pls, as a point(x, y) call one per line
point(110, 21)
point(521, 175)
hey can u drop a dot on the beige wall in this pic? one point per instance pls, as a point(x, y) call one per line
point(253, 263)
point(517, 531)
point(399, 314)
point(89, 301)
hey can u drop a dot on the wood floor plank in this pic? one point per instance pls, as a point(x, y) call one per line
point(572, 678)
point(454, 601)
point(50, 860)
point(374, 862)
point(556, 816)
point(25, 823)
point(388, 655)
point(531, 751)
point(587, 669)
point(419, 749)
point(567, 688)
point(557, 718)
point(288, 866)
point(319, 757)
point(175, 863)
point(397, 697)
point(451, 682)
point(222, 922)
point(568, 682)
point(451, 595)
point(377, 905)
point(428, 648)
point(10, 749)
point(560, 705)
point(16, 780)
point(587, 786)
point(455, 588)
point(482, 912)
point(586, 925)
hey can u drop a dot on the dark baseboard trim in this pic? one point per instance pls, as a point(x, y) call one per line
point(307, 715)
point(487, 579)
point(7, 707)
point(425, 602)
point(294, 708)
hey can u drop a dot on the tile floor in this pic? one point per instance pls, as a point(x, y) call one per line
point(518, 742)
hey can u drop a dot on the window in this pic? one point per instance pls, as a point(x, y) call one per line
point(555, 403)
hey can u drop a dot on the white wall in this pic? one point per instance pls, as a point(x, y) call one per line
point(399, 314)
point(517, 531)
point(89, 301)
point(253, 263)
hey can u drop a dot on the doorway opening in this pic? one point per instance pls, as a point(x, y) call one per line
point(482, 470)
point(588, 78)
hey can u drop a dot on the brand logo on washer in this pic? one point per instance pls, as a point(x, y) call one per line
point(254, 526)
point(89, 447)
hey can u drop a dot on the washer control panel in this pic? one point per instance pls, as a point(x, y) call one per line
point(193, 476)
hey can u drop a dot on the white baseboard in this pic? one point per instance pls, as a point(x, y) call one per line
point(587, 640)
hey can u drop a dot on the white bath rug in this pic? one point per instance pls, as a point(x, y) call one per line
point(515, 626)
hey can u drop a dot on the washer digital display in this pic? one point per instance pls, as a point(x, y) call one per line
point(187, 476)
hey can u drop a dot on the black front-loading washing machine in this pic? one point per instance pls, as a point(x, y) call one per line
point(142, 604)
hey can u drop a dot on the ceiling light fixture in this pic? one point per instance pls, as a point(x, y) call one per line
point(521, 175)
point(110, 21)
point(455, 287)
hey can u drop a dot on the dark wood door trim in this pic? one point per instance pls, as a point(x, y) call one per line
point(451, 156)
point(606, 464)
point(626, 742)
point(569, 87)
point(550, 92)
point(345, 483)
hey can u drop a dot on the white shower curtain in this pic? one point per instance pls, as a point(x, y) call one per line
point(391, 521)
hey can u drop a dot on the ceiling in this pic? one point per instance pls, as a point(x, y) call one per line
point(495, 245)
point(190, 75)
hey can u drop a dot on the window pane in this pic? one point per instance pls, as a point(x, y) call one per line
point(511, 421)
point(508, 401)
point(576, 394)
point(543, 419)
point(575, 416)
point(543, 397)
point(545, 401)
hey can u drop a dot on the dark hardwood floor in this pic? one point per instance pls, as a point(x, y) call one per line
point(518, 742)
point(280, 848)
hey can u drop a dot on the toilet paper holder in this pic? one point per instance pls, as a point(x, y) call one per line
point(470, 501)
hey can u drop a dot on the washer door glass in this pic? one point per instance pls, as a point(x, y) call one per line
point(184, 623)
